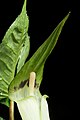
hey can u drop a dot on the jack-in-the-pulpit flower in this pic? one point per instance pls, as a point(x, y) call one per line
point(15, 83)
point(33, 107)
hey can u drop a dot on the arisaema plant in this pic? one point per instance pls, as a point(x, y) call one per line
point(19, 80)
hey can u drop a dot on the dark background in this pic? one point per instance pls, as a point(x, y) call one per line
point(61, 72)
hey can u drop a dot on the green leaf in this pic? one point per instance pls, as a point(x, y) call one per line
point(1, 118)
point(24, 53)
point(14, 43)
point(17, 89)
point(5, 101)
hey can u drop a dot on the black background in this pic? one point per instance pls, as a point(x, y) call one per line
point(61, 72)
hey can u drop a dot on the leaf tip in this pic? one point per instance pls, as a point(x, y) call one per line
point(69, 12)
point(24, 6)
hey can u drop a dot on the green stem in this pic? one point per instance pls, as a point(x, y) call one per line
point(11, 111)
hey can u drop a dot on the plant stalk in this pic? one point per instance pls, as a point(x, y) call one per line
point(11, 110)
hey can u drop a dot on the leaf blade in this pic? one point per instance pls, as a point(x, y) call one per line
point(10, 49)
point(37, 61)
point(24, 53)
point(1, 118)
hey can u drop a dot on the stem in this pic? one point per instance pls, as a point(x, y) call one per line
point(11, 111)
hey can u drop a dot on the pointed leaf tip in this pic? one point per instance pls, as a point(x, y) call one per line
point(67, 16)
point(69, 13)
point(24, 6)
point(35, 63)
